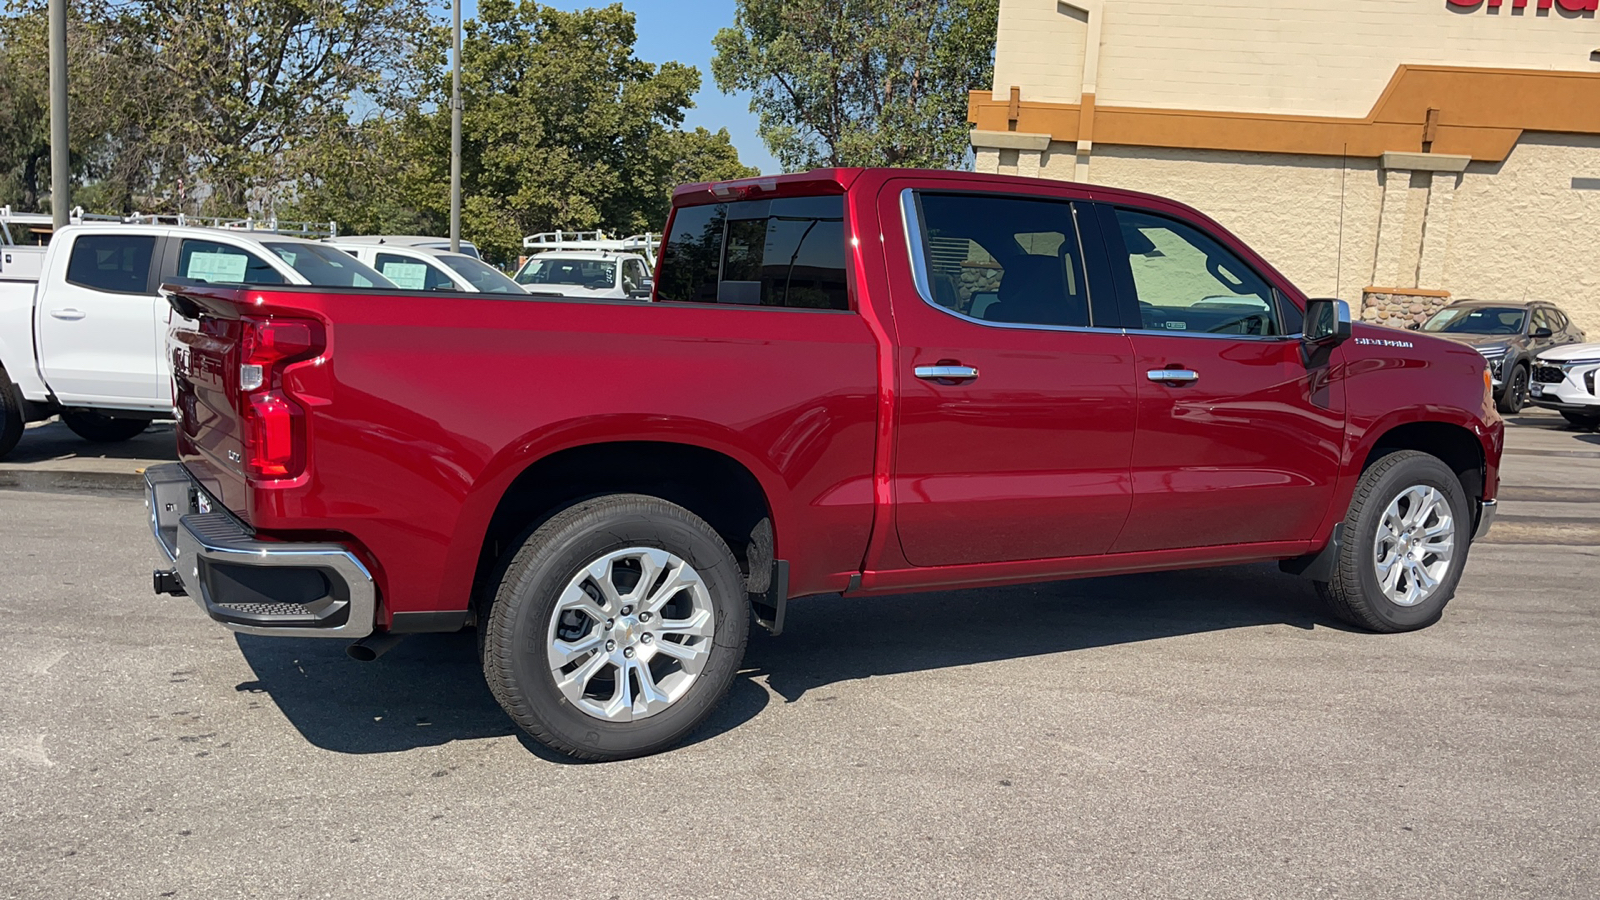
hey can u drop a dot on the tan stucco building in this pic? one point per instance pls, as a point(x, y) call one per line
point(1395, 153)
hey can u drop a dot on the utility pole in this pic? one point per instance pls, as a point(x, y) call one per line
point(455, 133)
point(60, 154)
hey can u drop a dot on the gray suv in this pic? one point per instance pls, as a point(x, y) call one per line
point(1509, 335)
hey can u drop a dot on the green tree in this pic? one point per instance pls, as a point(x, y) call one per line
point(860, 82)
point(563, 128)
point(114, 92)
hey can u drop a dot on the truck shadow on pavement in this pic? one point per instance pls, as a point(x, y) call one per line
point(833, 639)
point(429, 689)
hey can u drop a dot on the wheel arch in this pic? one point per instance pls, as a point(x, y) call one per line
point(1454, 445)
point(709, 483)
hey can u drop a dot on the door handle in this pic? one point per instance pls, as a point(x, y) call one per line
point(1173, 376)
point(69, 313)
point(945, 373)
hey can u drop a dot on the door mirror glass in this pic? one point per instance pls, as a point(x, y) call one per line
point(1327, 321)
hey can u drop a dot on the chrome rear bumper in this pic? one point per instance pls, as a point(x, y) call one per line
point(253, 586)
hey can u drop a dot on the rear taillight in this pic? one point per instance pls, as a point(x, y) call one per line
point(274, 429)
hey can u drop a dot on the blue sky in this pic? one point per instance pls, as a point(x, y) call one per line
point(681, 30)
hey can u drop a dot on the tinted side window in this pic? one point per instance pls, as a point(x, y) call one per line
point(787, 252)
point(112, 262)
point(692, 257)
point(412, 274)
point(216, 263)
point(1187, 281)
point(1004, 259)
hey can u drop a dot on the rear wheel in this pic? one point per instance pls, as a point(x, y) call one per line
point(617, 627)
point(1582, 420)
point(1515, 395)
point(12, 420)
point(1404, 545)
point(103, 429)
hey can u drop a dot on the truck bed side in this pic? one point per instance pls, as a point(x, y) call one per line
point(424, 410)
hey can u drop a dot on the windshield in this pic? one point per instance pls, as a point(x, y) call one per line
point(1477, 320)
point(600, 274)
point(327, 266)
point(481, 275)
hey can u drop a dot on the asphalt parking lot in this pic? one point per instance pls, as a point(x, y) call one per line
point(1199, 734)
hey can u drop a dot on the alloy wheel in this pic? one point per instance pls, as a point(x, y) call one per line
point(1414, 544)
point(630, 634)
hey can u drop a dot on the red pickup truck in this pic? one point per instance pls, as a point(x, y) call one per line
point(852, 381)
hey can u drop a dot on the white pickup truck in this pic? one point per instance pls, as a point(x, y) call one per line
point(83, 327)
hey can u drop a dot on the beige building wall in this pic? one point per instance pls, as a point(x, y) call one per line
point(1312, 57)
point(1530, 226)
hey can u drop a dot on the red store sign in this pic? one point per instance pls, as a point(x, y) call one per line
point(1568, 5)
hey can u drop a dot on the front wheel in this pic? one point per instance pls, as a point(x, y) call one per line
point(1515, 396)
point(1582, 420)
point(1404, 545)
point(103, 429)
point(617, 627)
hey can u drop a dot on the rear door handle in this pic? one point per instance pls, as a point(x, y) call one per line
point(1173, 376)
point(946, 373)
point(68, 313)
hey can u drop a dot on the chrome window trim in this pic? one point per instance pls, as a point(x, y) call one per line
point(912, 226)
point(1207, 334)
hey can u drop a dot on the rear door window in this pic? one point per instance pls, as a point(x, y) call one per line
point(115, 263)
point(1004, 259)
point(215, 263)
point(787, 252)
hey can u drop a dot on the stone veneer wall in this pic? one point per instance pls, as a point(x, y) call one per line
point(1400, 309)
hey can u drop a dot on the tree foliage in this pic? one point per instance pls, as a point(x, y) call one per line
point(339, 110)
point(860, 82)
point(562, 128)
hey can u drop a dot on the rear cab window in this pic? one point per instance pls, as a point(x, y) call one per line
point(113, 263)
point(786, 252)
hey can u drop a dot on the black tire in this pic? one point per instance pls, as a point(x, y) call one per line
point(12, 420)
point(515, 629)
point(103, 429)
point(1355, 594)
point(1514, 396)
point(1582, 420)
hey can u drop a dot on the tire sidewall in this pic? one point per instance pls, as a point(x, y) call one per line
point(528, 599)
point(1418, 470)
point(12, 419)
point(1510, 402)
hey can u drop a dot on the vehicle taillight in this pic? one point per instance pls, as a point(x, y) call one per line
point(273, 423)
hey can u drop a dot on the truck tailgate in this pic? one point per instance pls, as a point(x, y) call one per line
point(204, 348)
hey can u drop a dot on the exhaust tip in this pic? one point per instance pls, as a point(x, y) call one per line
point(372, 646)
